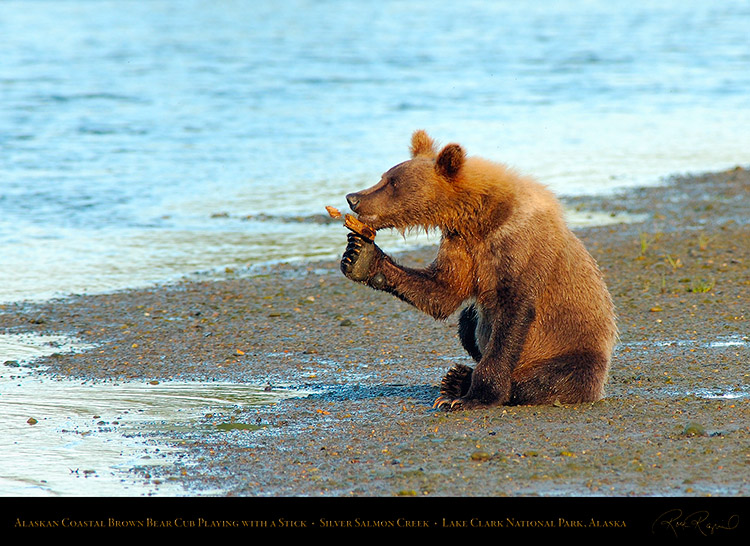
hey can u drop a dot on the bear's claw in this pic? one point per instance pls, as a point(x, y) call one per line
point(457, 381)
point(358, 257)
point(445, 402)
point(455, 384)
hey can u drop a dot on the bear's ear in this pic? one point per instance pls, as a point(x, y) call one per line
point(450, 160)
point(422, 144)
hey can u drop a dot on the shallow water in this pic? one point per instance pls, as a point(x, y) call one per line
point(127, 130)
point(78, 438)
point(717, 391)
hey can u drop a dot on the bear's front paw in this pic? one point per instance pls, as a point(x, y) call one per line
point(359, 257)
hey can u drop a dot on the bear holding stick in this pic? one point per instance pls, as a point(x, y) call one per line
point(538, 321)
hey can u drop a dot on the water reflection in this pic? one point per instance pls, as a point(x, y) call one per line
point(78, 438)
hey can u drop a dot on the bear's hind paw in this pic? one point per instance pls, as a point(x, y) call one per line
point(448, 403)
point(456, 382)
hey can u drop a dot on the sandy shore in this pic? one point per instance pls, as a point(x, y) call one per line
point(675, 422)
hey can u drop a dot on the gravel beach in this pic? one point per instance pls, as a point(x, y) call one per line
point(675, 421)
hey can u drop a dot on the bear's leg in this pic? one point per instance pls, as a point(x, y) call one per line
point(467, 332)
point(491, 379)
point(437, 290)
point(569, 379)
point(457, 381)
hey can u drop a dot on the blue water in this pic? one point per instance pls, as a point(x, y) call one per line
point(140, 140)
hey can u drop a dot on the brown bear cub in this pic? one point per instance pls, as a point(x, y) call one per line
point(540, 323)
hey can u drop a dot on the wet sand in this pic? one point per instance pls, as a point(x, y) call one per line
point(675, 421)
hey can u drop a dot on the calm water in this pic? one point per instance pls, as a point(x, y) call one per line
point(70, 437)
point(139, 139)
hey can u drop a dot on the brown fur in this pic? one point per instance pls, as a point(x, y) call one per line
point(540, 321)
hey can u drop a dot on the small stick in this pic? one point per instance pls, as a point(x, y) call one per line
point(353, 224)
point(333, 212)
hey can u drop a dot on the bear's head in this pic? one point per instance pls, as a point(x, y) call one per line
point(416, 193)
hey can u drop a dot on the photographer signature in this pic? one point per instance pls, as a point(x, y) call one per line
point(698, 521)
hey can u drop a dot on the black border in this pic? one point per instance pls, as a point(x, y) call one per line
point(662, 518)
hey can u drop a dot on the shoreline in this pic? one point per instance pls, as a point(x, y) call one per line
point(674, 421)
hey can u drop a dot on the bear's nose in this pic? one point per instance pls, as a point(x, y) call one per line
point(353, 200)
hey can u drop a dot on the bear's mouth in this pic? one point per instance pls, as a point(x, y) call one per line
point(371, 220)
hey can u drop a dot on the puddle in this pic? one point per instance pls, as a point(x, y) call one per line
point(16, 349)
point(728, 394)
point(79, 438)
point(720, 394)
point(719, 344)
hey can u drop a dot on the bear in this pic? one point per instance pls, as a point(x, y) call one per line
point(539, 321)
